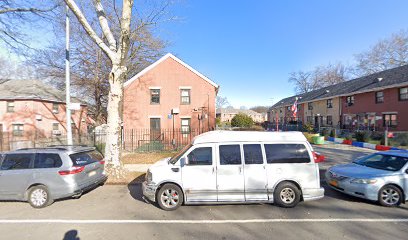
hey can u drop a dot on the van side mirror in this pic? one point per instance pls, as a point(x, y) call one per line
point(183, 161)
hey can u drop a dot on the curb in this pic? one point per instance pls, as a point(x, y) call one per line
point(362, 144)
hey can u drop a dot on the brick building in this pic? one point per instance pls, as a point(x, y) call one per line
point(373, 102)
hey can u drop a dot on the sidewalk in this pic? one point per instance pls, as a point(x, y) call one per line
point(137, 167)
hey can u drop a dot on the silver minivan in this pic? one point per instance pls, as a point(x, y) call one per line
point(237, 167)
point(42, 175)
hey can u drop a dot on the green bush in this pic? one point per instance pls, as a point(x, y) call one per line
point(242, 120)
point(100, 147)
point(218, 121)
point(401, 139)
point(348, 136)
point(325, 132)
point(362, 136)
point(333, 133)
point(377, 135)
point(308, 127)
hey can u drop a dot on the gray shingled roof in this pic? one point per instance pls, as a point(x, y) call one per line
point(31, 89)
point(390, 77)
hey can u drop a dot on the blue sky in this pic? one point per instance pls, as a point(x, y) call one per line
point(250, 47)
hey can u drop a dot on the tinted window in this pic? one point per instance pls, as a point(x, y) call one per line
point(85, 158)
point(17, 161)
point(200, 156)
point(253, 154)
point(230, 154)
point(286, 153)
point(47, 160)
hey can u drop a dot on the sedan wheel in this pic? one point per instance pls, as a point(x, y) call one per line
point(390, 196)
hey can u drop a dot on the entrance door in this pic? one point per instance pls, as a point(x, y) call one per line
point(155, 130)
point(230, 174)
point(255, 173)
point(198, 174)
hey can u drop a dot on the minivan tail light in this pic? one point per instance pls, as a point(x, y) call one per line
point(318, 157)
point(73, 170)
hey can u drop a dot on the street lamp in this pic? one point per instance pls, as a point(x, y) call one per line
point(318, 121)
point(174, 112)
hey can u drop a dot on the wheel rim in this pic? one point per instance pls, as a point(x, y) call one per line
point(287, 195)
point(390, 196)
point(38, 197)
point(170, 198)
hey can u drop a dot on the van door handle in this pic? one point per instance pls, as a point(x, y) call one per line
point(240, 169)
point(213, 170)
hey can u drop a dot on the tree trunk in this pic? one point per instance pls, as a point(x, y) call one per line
point(113, 137)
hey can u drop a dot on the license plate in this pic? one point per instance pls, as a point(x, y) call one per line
point(334, 183)
point(90, 174)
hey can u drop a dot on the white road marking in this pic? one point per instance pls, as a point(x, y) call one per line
point(112, 221)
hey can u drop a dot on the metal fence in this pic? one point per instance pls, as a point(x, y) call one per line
point(132, 140)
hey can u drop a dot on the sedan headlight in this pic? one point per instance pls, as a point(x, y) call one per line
point(149, 176)
point(363, 181)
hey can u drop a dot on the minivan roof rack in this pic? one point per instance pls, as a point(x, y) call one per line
point(57, 148)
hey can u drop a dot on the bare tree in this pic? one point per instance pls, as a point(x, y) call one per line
point(17, 14)
point(385, 54)
point(321, 76)
point(221, 102)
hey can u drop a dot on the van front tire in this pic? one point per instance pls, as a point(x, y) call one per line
point(286, 195)
point(169, 197)
point(39, 197)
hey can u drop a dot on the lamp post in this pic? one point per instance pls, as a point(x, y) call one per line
point(67, 80)
point(318, 122)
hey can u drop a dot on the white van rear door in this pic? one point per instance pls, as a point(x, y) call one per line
point(255, 173)
point(198, 174)
point(230, 173)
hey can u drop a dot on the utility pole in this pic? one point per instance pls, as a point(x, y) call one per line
point(67, 80)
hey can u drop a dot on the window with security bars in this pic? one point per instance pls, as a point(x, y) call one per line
point(185, 96)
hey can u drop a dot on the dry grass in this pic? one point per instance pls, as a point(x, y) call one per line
point(131, 178)
point(145, 158)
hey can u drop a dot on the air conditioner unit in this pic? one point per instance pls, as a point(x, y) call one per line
point(38, 117)
point(54, 111)
point(56, 132)
point(175, 111)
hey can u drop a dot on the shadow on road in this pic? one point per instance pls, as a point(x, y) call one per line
point(71, 235)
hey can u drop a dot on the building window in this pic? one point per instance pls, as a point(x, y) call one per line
point(288, 108)
point(309, 119)
point(55, 126)
point(379, 97)
point(10, 106)
point(403, 94)
point(55, 108)
point(390, 120)
point(350, 100)
point(185, 125)
point(18, 129)
point(329, 120)
point(310, 106)
point(329, 103)
point(155, 96)
point(185, 96)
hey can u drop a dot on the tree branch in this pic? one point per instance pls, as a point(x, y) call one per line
point(87, 27)
point(100, 12)
point(125, 29)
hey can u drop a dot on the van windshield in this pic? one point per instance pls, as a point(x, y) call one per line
point(176, 157)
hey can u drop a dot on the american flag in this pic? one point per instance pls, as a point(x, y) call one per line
point(294, 108)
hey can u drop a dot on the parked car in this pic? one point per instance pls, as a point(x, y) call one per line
point(381, 177)
point(237, 167)
point(42, 175)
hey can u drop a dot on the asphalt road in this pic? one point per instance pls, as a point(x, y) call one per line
point(119, 212)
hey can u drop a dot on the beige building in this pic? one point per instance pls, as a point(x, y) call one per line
point(325, 112)
point(226, 114)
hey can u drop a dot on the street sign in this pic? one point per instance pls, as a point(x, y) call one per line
point(74, 106)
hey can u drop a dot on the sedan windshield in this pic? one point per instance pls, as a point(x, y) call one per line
point(176, 157)
point(383, 162)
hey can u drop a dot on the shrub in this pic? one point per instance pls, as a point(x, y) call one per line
point(218, 121)
point(377, 136)
point(401, 139)
point(362, 136)
point(325, 132)
point(308, 127)
point(242, 120)
point(333, 133)
point(348, 136)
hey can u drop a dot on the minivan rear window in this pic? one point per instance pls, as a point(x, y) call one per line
point(286, 153)
point(85, 158)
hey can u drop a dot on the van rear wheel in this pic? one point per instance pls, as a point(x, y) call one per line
point(169, 197)
point(286, 195)
point(39, 197)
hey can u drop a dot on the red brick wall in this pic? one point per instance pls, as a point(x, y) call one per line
point(365, 103)
point(169, 75)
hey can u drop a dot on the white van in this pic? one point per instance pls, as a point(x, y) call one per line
point(237, 167)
